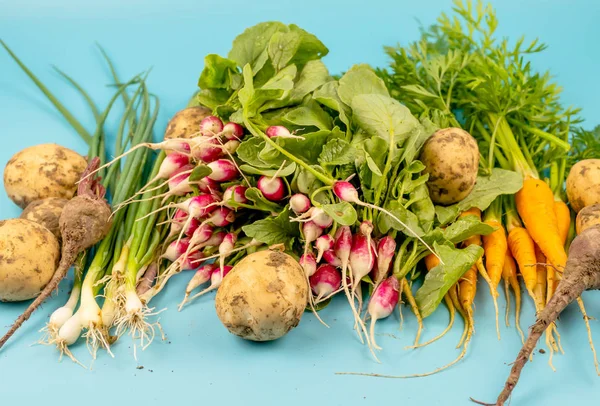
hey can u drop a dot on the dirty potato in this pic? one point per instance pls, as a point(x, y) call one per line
point(451, 158)
point(42, 171)
point(29, 254)
point(263, 297)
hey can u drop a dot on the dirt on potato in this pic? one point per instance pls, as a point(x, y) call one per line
point(42, 171)
point(46, 212)
point(263, 297)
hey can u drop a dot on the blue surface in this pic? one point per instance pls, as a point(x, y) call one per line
point(200, 362)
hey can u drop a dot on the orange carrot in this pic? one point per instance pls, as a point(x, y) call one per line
point(563, 218)
point(495, 246)
point(476, 240)
point(535, 204)
point(522, 249)
point(509, 274)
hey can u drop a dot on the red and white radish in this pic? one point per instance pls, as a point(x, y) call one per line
point(299, 203)
point(325, 282)
point(348, 193)
point(323, 243)
point(223, 170)
point(210, 126)
point(308, 263)
point(273, 188)
point(383, 302)
point(233, 131)
point(201, 276)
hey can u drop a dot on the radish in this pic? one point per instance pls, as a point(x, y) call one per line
point(230, 147)
point(299, 203)
point(332, 259)
point(325, 282)
point(176, 249)
point(216, 278)
point(277, 131)
point(323, 243)
point(308, 263)
point(348, 193)
point(201, 276)
point(386, 248)
point(209, 186)
point(171, 164)
point(179, 219)
point(272, 188)
point(208, 150)
point(223, 170)
point(179, 185)
point(383, 302)
point(189, 261)
point(222, 217)
point(179, 145)
point(236, 193)
point(210, 126)
point(233, 131)
point(225, 249)
point(311, 232)
point(320, 218)
point(317, 215)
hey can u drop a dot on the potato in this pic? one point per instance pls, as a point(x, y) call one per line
point(41, 171)
point(587, 217)
point(263, 296)
point(29, 254)
point(583, 184)
point(451, 158)
point(186, 123)
point(46, 212)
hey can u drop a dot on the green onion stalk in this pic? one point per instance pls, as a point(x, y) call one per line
point(147, 232)
point(89, 315)
point(96, 141)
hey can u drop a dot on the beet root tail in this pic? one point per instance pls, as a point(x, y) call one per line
point(567, 291)
point(59, 275)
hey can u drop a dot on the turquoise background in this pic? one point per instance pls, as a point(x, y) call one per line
point(200, 362)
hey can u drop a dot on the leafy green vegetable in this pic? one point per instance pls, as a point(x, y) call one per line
point(285, 171)
point(337, 152)
point(260, 201)
point(441, 278)
point(360, 80)
point(250, 46)
point(219, 73)
point(199, 172)
point(383, 116)
point(466, 227)
point(273, 230)
point(342, 213)
point(310, 115)
point(385, 222)
point(487, 188)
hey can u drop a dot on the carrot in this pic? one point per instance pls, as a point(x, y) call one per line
point(535, 204)
point(522, 249)
point(476, 240)
point(494, 247)
point(431, 261)
point(563, 218)
point(509, 274)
